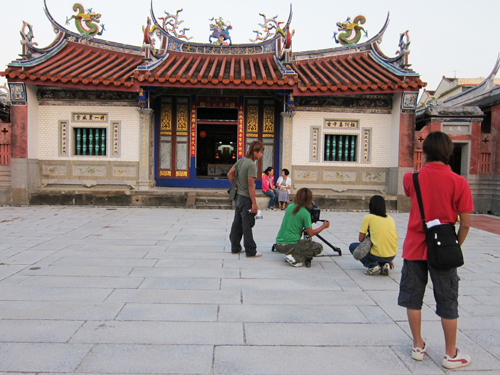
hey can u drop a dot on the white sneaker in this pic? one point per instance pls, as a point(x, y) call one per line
point(372, 271)
point(291, 260)
point(385, 269)
point(418, 353)
point(460, 360)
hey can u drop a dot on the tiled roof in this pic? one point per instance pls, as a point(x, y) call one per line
point(77, 63)
point(236, 71)
point(349, 72)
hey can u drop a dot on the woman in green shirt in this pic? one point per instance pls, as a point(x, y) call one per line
point(297, 218)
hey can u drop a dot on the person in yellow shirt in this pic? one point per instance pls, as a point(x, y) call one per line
point(382, 229)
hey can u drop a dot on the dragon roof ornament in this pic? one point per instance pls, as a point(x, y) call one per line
point(349, 33)
point(86, 22)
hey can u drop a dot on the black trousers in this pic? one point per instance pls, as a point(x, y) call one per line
point(243, 223)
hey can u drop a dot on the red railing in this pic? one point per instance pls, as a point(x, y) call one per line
point(5, 154)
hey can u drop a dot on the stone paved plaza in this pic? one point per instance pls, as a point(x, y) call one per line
point(156, 290)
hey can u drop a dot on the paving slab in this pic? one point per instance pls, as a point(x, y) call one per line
point(28, 357)
point(262, 360)
point(37, 282)
point(149, 359)
point(14, 293)
point(176, 296)
point(41, 331)
point(168, 312)
point(167, 333)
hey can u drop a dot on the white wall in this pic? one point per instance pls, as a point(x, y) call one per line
point(33, 131)
point(48, 124)
point(381, 125)
point(395, 127)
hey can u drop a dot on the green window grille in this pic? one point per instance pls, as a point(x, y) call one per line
point(90, 141)
point(340, 147)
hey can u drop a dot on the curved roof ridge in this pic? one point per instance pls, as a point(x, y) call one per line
point(487, 85)
point(354, 48)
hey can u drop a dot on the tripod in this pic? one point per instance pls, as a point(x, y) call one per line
point(334, 248)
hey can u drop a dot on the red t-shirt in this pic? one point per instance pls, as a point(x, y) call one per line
point(445, 194)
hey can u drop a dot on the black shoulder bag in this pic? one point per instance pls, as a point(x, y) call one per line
point(443, 249)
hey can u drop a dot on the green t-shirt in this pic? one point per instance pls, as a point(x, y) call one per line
point(246, 168)
point(292, 225)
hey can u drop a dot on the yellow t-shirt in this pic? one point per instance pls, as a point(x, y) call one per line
point(382, 234)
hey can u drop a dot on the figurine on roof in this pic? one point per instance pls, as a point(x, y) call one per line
point(86, 23)
point(350, 32)
point(148, 44)
point(220, 32)
point(171, 25)
point(27, 37)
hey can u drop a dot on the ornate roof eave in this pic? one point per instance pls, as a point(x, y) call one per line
point(170, 43)
point(64, 35)
point(478, 92)
point(392, 67)
point(344, 50)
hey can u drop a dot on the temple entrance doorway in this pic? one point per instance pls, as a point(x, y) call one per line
point(216, 146)
point(459, 159)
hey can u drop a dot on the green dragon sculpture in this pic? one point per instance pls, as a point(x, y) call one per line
point(86, 23)
point(350, 32)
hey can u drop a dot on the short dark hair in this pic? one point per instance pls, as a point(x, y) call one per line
point(303, 198)
point(255, 146)
point(286, 171)
point(268, 169)
point(438, 147)
point(377, 206)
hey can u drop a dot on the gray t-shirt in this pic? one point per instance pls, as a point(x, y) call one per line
point(246, 168)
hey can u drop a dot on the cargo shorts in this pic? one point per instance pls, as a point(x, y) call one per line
point(414, 277)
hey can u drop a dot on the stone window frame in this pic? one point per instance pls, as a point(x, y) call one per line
point(325, 130)
point(72, 124)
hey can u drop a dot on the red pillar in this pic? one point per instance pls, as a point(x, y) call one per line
point(19, 135)
point(406, 139)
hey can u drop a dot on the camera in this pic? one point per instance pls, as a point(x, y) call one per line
point(315, 211)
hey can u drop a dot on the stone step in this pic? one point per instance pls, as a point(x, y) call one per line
point(212, 206)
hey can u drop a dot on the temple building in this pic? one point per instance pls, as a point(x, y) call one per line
point(175, 113)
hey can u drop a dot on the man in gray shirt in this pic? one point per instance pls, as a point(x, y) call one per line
point(243, 174)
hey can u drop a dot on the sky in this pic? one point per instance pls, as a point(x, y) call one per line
point(448, 38)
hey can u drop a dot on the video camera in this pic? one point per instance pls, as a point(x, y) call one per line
point(315, 211)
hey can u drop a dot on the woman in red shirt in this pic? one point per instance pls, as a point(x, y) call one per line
point(444, 195)
point(268, 187)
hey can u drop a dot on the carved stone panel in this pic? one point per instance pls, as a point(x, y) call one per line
point(54, 170)
point(373, 176)
point(306, 175)
point(124, 171)
point(89, 170)
point(339, 176)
